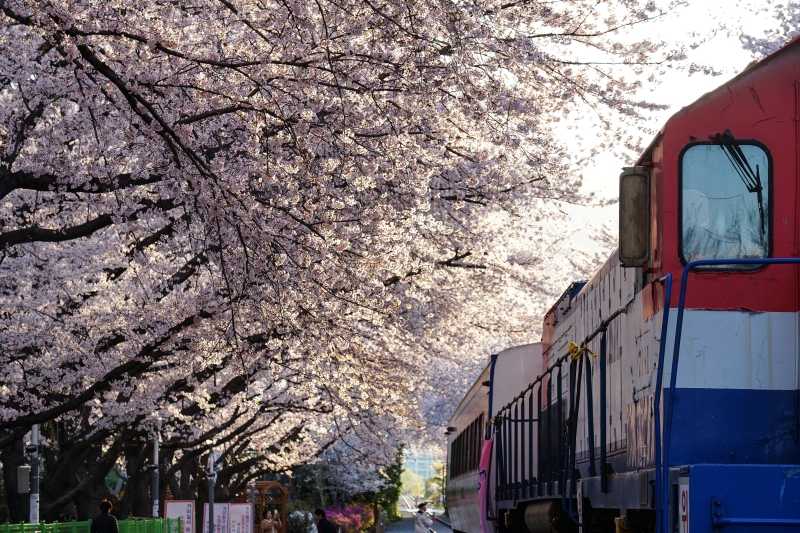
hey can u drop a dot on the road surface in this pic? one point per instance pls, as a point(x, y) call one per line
point(406, 525)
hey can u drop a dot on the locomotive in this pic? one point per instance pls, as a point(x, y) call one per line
point(664, 395)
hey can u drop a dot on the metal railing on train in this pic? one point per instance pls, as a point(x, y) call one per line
point(515, 471)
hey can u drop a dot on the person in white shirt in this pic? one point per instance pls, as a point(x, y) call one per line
point(423, 520)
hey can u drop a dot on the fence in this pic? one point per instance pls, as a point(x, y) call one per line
point(153, 525)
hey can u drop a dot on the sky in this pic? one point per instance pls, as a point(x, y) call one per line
point(721, 22)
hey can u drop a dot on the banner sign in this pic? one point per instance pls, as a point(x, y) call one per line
point(240, 518)
point(220, 517)
point(183, 509)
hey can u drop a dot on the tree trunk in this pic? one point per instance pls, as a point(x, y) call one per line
point(12, 457)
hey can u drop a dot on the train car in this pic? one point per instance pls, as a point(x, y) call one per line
point(667, 395)
point(515, 368)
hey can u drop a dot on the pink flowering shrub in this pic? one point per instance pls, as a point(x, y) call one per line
point(352, 518)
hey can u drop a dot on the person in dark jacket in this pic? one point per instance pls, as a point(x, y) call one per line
point(104, 522)
point(323, 524)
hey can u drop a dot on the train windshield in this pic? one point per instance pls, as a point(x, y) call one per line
point(725, 210)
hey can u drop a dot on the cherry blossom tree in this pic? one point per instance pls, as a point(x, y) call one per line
point(251, 225)
point(786, 15)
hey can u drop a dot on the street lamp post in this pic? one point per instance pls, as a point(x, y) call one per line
point(252, 487)
point(253, 504)
point(442, 497)
point(154, 468)
point(34, 449)
point(212, 478)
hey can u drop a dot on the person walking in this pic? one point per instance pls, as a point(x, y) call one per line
point(323, 524)
point(423, 521)
point(105, 521)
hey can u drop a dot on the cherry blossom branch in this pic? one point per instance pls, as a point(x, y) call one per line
point(143, 360)
point(37, 234)
point(51, 182)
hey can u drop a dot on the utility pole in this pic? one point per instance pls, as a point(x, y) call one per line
point(253, 504)
point(34, 449)
point(154, 474)
point(212, 478)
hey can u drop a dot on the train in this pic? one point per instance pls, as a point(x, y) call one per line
point(664, 395)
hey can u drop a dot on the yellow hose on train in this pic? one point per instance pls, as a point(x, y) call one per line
point(576, 352)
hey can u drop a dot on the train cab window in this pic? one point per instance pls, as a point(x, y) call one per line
point(725, 200)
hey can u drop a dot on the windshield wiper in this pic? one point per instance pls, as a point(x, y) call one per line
point(751, 180)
